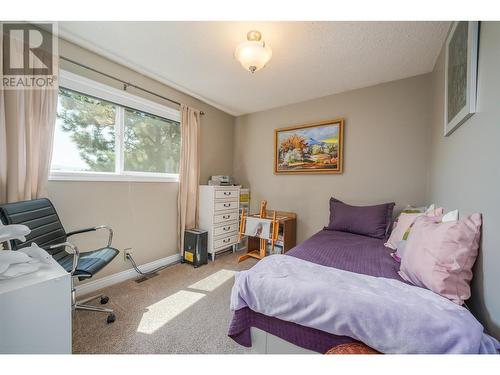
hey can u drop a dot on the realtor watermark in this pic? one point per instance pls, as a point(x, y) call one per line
point(29, 56)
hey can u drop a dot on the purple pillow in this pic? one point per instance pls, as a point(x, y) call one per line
point(371, 221)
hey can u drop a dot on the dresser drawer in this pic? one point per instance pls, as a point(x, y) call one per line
point(226, 217)
point(226, 228)
point(226, 241)
point(229, 193)
point(226, 205)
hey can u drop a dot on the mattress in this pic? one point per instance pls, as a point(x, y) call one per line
point(346, 251)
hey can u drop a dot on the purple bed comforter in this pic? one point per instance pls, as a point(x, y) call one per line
point(346, 251)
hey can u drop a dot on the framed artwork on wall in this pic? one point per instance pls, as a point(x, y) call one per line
point(460, 74)
point(309, 148)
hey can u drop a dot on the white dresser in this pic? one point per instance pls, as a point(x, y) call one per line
point(35, 312)
point(219, 215)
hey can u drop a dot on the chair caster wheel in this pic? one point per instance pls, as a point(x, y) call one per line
point(104, 300)
point(111, 318)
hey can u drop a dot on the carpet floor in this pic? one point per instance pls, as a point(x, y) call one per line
point(182, 310)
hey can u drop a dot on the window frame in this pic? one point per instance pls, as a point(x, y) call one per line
point(122, 100)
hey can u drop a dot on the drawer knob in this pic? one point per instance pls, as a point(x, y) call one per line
point(226, 216)
point(227, 204)
point(226, 240)
point(227, 193)
point(226, 228)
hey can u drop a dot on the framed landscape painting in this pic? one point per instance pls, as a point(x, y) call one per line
point(309, 148)
point(460, 74)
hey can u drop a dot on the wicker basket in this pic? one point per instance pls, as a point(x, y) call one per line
point(352, 348)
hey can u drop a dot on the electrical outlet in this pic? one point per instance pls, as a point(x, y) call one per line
point(126, 251)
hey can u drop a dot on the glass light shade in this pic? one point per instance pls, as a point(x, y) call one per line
point(253, 55)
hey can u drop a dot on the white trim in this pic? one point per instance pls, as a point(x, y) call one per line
point(113, 177)
point(90, 87)
point(119, 277)
point(119, 133)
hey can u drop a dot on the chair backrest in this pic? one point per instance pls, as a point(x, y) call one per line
point(41, 217)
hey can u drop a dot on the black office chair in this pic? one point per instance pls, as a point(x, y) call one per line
point(48, 232)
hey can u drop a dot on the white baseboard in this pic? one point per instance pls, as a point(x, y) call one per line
point(106, 281)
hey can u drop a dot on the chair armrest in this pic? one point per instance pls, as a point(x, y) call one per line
point(74, 251)
point(93, 229)
point(80, 231)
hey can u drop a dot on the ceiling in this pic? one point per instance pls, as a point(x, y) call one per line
point(310, 59)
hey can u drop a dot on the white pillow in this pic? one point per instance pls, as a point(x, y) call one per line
point(430, 209)
point(450, 216)
point(424, 209)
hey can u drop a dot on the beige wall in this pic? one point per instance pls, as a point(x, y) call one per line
point(143, 215)
point(385, 156)
point(391, 153)
point(465, 170)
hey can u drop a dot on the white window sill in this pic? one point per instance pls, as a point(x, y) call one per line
point(113, 177)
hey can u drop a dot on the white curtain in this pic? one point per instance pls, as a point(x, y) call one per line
point(189, 171)
point(27, 121)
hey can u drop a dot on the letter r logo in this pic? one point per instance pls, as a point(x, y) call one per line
point(35, 44)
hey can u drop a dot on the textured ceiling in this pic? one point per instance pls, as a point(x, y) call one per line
point(310, 59)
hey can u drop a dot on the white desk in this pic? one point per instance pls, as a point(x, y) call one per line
point(35, 312)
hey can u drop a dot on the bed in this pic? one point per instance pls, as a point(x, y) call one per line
point(341, 250)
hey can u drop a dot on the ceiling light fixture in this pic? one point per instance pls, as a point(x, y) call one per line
point(253, 54)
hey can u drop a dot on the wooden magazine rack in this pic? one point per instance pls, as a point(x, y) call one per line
point(264, 228)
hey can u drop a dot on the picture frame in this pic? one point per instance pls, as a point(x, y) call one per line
point(460, 74)
point(310, 148)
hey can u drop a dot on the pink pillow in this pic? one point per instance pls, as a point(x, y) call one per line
point(405, 220)
point(440, 256)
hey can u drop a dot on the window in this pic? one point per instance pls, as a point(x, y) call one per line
point(85, 134)
point(105, 134)
point(151, 143)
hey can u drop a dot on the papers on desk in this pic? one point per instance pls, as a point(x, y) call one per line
point(23, 261)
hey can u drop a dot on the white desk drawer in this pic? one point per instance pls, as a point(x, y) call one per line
point(222, 194)
point(226, 228)
point(226, 205)
point(226, 217)
point(225, 241)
